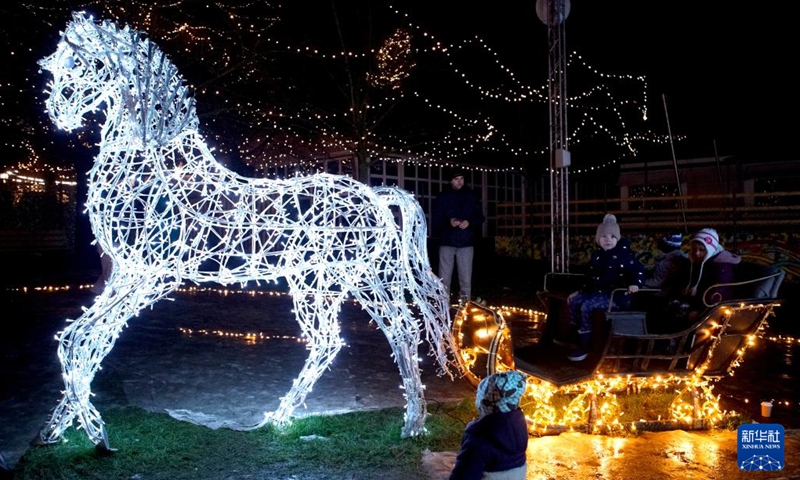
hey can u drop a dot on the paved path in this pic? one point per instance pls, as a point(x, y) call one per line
point(213, 380)
point(228, 381)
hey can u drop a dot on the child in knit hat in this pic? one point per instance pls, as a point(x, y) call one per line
point(710, 264)
point(612, 266)
point(685, 290)
point(495, 444)
point(670, 243)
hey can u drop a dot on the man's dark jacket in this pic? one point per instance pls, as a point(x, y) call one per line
point(462, 204)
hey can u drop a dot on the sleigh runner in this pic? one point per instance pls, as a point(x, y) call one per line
point(626, 356)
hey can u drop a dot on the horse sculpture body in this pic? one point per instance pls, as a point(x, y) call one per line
point(166, 211)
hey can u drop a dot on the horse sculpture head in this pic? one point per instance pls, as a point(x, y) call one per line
point(81, 79)
point(100, 65)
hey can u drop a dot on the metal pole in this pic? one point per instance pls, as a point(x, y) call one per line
point(553, 13)
point(675, 164)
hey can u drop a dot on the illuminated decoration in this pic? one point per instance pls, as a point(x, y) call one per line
point(394, 61)
point(166, 211)
point(225, 45)
point(36, 182)
point(593, 405)
point(483, 341)
point(468, 135)
point(214, 47)
point(249, 338)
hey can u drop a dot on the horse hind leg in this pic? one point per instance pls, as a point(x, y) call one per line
point(401, 329)
point(316, 313)
point(82, 347)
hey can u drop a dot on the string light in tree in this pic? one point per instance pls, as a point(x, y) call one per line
point(469, 134)
point(237, 38)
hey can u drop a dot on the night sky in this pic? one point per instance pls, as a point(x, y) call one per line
point(727, 69)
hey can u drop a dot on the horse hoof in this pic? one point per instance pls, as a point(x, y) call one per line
point(38, 441)
point(104, 450)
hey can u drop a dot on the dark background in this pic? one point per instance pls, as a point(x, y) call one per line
point(725, 68)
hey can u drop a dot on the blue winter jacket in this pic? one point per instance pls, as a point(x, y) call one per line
point(492, 443)
point(615, 268)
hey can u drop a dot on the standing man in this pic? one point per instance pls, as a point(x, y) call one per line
point(457, 219)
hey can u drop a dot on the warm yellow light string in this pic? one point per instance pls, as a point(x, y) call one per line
point(596, 399)
point(249, 338)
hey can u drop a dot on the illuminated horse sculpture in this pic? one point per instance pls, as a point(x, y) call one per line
point(165, 212)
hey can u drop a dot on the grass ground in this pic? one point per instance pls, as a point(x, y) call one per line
point(156, 446)
point(360, 445)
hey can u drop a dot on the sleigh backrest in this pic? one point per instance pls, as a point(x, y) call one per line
point(751, 281)
point(711, 346)
point(760, 281)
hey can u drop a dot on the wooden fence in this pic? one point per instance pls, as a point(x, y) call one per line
point(776, 212)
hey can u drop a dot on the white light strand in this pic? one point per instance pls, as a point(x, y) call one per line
point(166, 211)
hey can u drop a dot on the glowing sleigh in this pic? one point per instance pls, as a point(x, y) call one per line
point(629, 365)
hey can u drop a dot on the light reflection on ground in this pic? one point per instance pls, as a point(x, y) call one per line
point(648, 456)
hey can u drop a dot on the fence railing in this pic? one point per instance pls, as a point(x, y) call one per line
point(776, 211)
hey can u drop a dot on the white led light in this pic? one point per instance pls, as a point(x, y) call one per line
point(165, 211)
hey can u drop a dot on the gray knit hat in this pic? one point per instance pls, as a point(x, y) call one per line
point(609, 226)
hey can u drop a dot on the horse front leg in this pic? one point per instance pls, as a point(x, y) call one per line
point(317, 314)
point(85, 343)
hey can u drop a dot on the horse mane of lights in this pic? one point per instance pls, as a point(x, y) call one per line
point(165, 211)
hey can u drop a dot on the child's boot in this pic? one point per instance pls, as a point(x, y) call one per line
point(567, 337)
point(582, 350)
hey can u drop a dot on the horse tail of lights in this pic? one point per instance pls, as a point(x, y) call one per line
point(429, 294)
